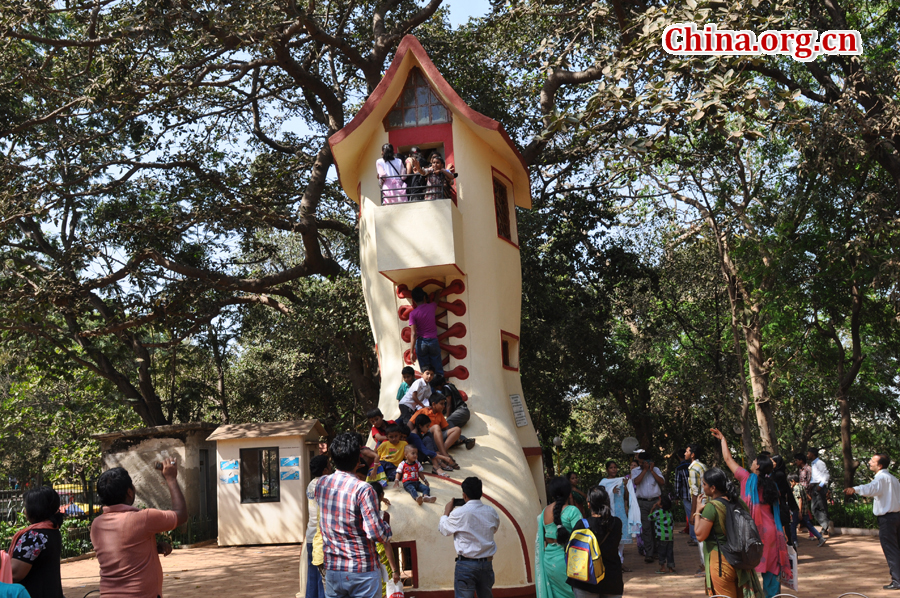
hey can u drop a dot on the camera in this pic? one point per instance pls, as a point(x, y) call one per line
point(458, 502)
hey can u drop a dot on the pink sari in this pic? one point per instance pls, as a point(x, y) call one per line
point(775, 556)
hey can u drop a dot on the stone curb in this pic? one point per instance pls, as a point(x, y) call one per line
point(854, 531)
point(202, 544)
point(80, 557)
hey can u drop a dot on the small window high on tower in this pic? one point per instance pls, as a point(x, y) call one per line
point(418, 105)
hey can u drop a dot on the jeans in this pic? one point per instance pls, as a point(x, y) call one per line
point(808, 523)
point(473, 578)
point(666, 551)
point(345, 584)
point(687, 510)
point(314, 587)
point(889, 534)
point(411, 487)
point(647, 535)
point(389, 470)
point(428, 350)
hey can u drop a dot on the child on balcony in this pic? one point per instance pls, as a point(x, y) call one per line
point(391, 174)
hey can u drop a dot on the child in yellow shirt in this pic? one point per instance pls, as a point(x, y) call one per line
point(390, 452)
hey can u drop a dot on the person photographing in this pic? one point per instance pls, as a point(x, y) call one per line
point(647, 479)
point(472, 525)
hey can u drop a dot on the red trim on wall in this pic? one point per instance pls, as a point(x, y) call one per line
point(515, 337)
point(411, 44)
point(442, 133)
point(518, 531)
point(414, 559)
point(533, 451)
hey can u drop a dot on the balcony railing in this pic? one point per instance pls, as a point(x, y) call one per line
point(408, 193)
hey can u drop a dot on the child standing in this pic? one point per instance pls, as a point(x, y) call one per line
point(417, 397)
point(424, 337)
point(665, 540)
point(408, 475)
point(390, 452)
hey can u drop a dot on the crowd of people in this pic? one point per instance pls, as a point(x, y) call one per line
point(349, 535)
point(413, 177)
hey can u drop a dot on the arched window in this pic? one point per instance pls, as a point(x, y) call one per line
point(417, 105)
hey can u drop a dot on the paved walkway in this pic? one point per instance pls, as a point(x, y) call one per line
point(845, 564)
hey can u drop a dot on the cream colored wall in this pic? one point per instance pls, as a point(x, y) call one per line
point(404, 225)
point(140, 458)
point(493, 301)
point(282, 522)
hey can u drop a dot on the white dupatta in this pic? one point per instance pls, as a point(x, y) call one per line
point(634, 511)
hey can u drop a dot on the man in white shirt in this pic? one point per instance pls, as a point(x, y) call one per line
point(647, 480)
point(886, 490)
point(472, 525)
point(818, 489)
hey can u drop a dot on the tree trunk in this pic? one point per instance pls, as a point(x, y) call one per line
point(365, 378)
point(746, 434)
point(850, 464)
point(759, 381)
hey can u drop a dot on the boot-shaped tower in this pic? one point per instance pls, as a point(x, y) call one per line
point(463, 249)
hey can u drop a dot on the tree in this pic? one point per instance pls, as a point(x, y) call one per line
point(127, 132)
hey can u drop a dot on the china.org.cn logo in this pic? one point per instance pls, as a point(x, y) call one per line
point(683, 39)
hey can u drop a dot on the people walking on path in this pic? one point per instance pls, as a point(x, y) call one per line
point(124, 537)
point(555, 524)
point(648, 480)
point(607, 528)
point(472, 525)
point(803, 514)
point(760, 493)
point(350, 524)
point(885, 488)
point(695, 484)
point(722, 579)
point(818, 489)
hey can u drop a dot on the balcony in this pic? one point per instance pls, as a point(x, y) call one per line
point(419, 240)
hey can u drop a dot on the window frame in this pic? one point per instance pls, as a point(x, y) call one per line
point(498, 177)
point(509, 347)
point(413, 563)
point(244, 458)
point(400, 105)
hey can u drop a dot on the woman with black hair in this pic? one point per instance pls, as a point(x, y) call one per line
point(608, 531)
point(391, 174)
point(555, 524)
point(760, 492)
point(35, 550)
point(787, 504)
point(709, 525)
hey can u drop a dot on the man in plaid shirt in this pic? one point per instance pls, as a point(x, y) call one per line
point(351, 525)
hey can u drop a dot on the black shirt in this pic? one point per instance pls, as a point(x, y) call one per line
point(41, 549)
point(609, 553)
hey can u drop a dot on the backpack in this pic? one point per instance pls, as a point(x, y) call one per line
point(743, 546)
point(583, 562)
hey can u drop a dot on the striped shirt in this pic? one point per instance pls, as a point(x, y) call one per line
point(350, 524)
point(695, 475)
point(664, 525)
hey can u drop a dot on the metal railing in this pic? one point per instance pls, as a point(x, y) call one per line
point(408, 193)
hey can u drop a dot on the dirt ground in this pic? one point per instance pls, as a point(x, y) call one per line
point(845, 564)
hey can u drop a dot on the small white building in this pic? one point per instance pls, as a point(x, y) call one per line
point(262, 471)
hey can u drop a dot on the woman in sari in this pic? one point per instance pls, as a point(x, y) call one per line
point(624, 506)
point(709, 525)
point(760, 493)
point(35, 550)
point(555, 524)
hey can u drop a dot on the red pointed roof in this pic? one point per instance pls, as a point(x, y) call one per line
point(348, 146)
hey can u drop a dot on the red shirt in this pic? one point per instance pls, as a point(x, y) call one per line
point(409, 472)
point(382, 430)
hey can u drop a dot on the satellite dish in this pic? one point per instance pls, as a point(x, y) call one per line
point(630, 444)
